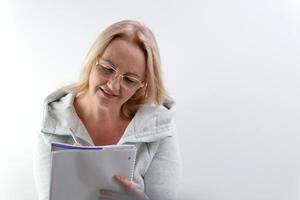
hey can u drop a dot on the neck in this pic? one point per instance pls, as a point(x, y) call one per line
point(87, 110)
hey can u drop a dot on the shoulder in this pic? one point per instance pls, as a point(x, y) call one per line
point(58, 98)
point(161, 114)
point(57, 112)
point(151, 124)
point(154, 117)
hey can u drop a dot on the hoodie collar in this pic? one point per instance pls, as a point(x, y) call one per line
point(150, 123)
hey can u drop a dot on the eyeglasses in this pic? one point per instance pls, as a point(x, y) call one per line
point(109, 72)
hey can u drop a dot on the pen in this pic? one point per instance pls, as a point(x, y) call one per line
point(74, 138)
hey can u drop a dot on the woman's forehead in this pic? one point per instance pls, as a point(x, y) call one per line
point(125, 56)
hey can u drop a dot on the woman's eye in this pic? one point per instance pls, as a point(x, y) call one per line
point(107, 70)
point(129, 80)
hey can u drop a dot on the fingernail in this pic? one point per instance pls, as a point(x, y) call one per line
point(118, 177)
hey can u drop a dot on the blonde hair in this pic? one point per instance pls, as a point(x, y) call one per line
point(153, 92)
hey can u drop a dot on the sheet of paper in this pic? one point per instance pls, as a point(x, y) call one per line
point(78, 174)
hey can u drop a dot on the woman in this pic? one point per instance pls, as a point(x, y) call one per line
point(119, 99)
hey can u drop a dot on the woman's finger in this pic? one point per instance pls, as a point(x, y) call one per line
point(130, 188)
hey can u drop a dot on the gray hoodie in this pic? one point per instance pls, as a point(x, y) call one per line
point(152, 130)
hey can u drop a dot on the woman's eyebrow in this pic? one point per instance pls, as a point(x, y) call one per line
point(108, 61)
point(114, 66)
point(132, 74)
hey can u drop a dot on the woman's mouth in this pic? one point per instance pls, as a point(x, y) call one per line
point(107, 94)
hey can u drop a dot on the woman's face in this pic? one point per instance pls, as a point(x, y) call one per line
point(110, 88)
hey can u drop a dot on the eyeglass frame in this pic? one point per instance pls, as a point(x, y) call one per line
point(116, 75)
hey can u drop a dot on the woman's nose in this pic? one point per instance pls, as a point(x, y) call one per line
point(114, 83)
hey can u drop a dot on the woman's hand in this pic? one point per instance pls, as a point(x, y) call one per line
point(132, 192)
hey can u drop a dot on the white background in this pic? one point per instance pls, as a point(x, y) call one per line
point(232, 66)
